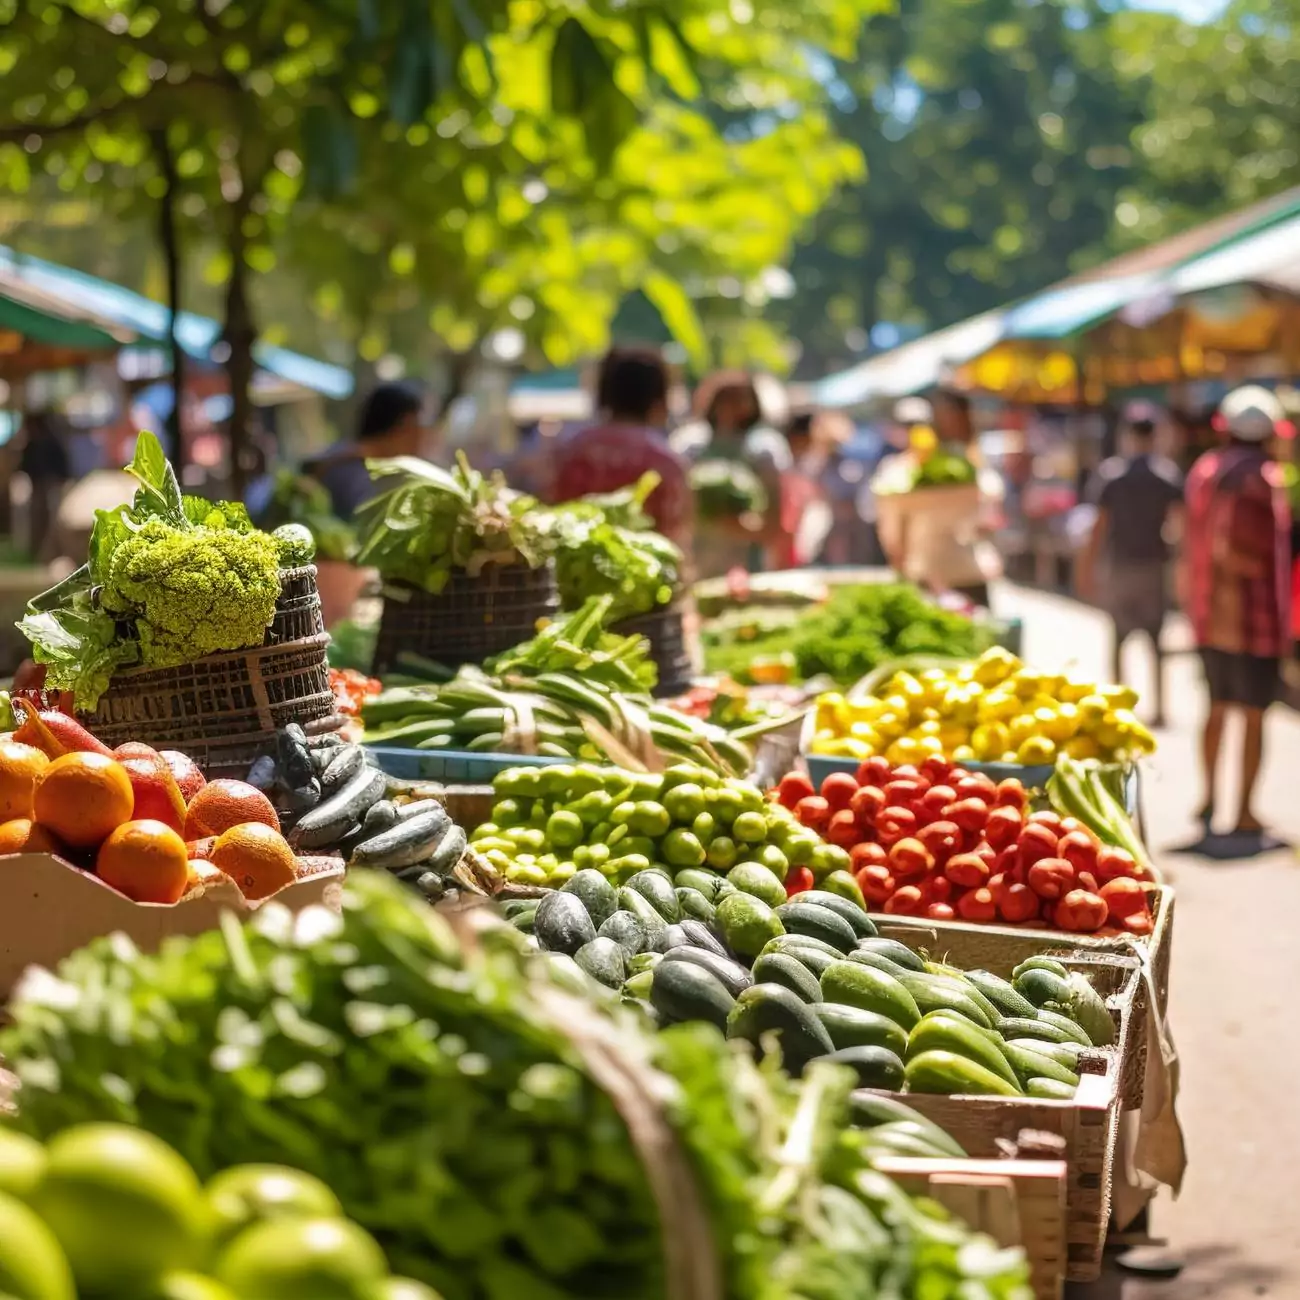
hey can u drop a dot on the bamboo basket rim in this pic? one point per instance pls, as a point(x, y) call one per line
point(284, 648)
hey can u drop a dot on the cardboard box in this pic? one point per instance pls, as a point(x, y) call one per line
point(49, 909)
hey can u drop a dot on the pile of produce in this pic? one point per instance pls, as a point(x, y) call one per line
point(727, 703)
point(433, 522)
point(574, 691)
point(606, 546)
point(727, 489)
point(855, 631)
point(550, 822)
point(813, 974)
point(991, 709)
point(109, 1212)
point(352, 689)
point(928, 463)
point(948, 844)
point(170, 578)
point(436, 1088)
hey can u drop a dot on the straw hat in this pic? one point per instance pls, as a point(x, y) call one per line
point(1251, 413)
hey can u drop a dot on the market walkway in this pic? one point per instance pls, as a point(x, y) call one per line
point(1236, 965)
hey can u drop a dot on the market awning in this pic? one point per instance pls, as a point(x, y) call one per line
point(39, 332)
point(145, 319)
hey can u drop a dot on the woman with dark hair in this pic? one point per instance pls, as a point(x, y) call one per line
point(392, 424)
point(730, 427)
point(627, 441)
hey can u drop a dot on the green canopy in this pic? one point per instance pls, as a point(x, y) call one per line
point(51, 330)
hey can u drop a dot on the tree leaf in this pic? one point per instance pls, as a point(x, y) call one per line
point(679, 315)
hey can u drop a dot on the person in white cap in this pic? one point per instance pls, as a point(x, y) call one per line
point(1236, 585)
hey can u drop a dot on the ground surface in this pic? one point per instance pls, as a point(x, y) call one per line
point(1236, 963)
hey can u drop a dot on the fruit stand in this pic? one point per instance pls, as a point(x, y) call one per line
point(921, 964)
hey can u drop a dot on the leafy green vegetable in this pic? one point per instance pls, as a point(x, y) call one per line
point(605, 546)
point(301, 499)
point(433, 522)
point(858, 628)
point(437, 1089)
point(945, 466)
point(726, 489)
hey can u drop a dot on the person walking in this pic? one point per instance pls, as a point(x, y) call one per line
point(1138, 497)
point(44, 459)
point(628, 440)
point(1235, 585)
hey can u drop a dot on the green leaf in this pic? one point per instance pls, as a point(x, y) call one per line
point(160, 493)
point(679, 315)
point(111, 528)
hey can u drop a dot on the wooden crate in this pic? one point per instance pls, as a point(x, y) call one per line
point(1016, 1202)
point(1000, 948)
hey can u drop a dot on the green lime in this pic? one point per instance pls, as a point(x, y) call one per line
point(124, 1206)
point(507, 812)
point(684, 803)
point(22, 1161)
point(750, 828)
point(303, 1259)
point(774, 860)
point(704, 828)
point(681, 849)
point(190, 1286)
point(406, 1288)
point(827, 858)
point(650, 819)
point(565, 829)
point(248, 1194)
point(722, 853)
point(32, 1267)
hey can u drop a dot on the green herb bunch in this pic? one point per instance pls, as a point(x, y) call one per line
point(168, 579)
point(433, 522)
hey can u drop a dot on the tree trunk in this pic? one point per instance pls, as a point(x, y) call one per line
point(240, 335)
point(169, 237)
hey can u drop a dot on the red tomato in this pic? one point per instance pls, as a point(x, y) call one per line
point(1036, 842)
point(910, 858)
point(943, 839)
point(935, 769)
point(977, 905)
point(1124, 897)
point(894, 823)
point(1011, 794)
point(1081, 912)
point(1112, 863)
point(1051, 878)
point(1018, 903)
point(794, 787)
point(814, 812)
point(1047, 818)
point(867, 853)
point(876, 883)
point(940, 912)
point(939, 889)
point(936, 799)
point(967, 870)
point(977, 785)
point(838, 789)
point(1003, 826)
point(798, 880)
point(875, 771)
point(1140, 923)
point(906, 901)
point(867, 803)
point(903, 792)
point(1079, 849)
point(969, 814)
point(843, 829)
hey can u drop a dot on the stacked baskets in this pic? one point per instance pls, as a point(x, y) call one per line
point(665, 629)
point(224, 708)
point(473, 618)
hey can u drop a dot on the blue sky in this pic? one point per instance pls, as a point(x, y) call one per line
point(1194, 10)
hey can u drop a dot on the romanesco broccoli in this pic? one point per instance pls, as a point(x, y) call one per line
point(195, 592)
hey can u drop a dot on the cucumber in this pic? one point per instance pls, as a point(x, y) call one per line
point(673, 936)
point(643, 961)
point(597, 895)
point(1039, 986)
point(708, 883)
point(948, 1073)
point(603, 960)
point(906, 1140)
point(1050, 1089)
point(778, 968)
point(568, 974)
point(756, 879)
point(846, 908)
point(876, 1067)
point(818, 922)
point(451, 848)
point(656, 888)
point(895, 951)
point(772, 1009)
point(872, 990)
point(960, 978)
point(700, 935)
point(514, 907)
point(869, 1110)
point(1035, 1065)
point(682, 990)
point(854, 1027)
point(652, 923)
point(939, 993)
point(1067, 1025)
point(1002, 993)
point(562, 924)
point(865, 957)
point(946, 1031)
point(694, 904)
point(733, 976)
point(799, 947)
point(747, 923)
point(406, 843)
point(1024, 1027)
point(1040, 963)
point(626, 931)
point(1066, 1054)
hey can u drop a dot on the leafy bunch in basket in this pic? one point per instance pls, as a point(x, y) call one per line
point(168, 579)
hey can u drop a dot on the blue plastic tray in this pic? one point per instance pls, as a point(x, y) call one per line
point(453, 766)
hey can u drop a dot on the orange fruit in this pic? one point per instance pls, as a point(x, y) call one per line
point(157, 796)
point(20, 770)
point(145, 860)
point(84, 798)
point(202, 872)
point(256, 858)
point(24, 836)
point(222, 804)
point(186, 771)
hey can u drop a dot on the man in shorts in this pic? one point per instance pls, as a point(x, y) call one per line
point(1123, 566)
point(1236, 583)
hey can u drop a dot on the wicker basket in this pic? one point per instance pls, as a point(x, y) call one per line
point(298, 611)
point(665, 629)
point(470, 620)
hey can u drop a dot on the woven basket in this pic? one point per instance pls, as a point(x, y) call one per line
point(665, 629)
point(298, 611)
point(470, 620)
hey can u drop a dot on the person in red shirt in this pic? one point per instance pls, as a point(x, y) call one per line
point(1235, 583)
point(632, 394)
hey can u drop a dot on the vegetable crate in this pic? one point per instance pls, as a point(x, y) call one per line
point(1020, 1202)
point(1000, 948)
point(1088, 1124)
point(472, 619)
